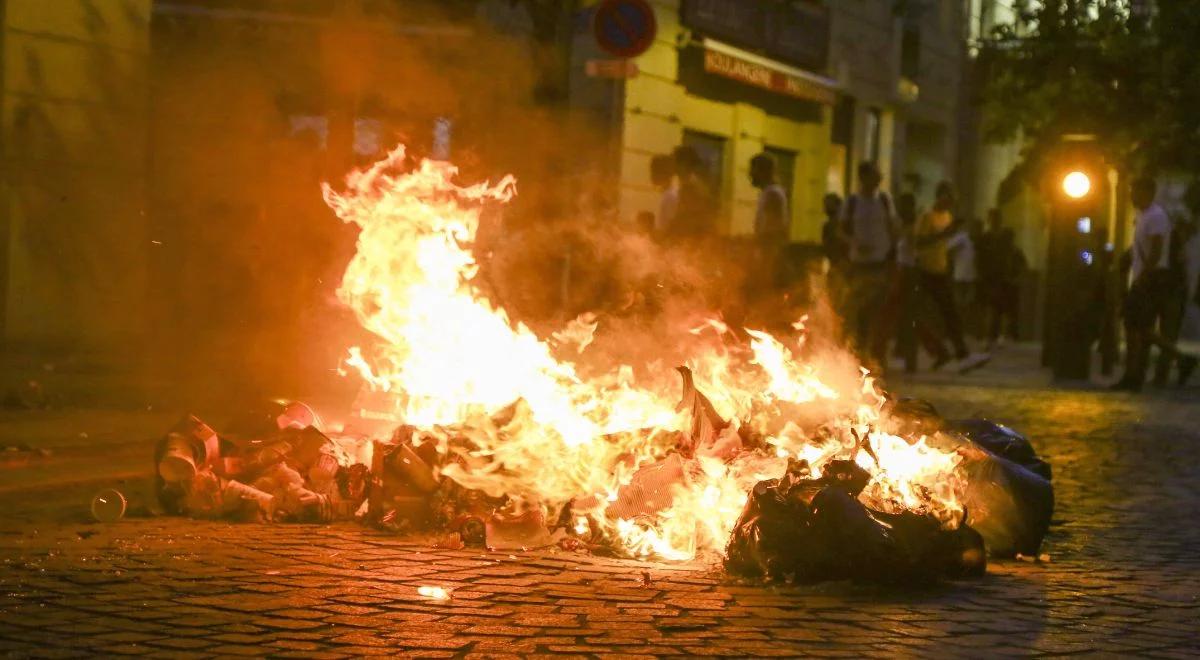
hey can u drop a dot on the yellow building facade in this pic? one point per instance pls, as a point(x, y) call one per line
point(676, 98)
point(73, 230)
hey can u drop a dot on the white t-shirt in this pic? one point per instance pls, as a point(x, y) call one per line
point(962, 255)
point(765, 226)
point(906, 254)
point(1151, 222)
point(872, 227)
point(668, 205)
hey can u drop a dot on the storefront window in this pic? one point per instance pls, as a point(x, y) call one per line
point(785, 169)
point(711, 149)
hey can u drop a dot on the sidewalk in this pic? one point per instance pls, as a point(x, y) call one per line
point(1020, 366)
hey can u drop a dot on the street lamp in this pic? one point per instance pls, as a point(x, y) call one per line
point(1071, 266)
point(1076, 185)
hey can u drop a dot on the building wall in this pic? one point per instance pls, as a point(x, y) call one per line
point(918, 136)
point(658, 110)
point(74, 132)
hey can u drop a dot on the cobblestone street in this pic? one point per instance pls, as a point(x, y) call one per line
point(1124, 574)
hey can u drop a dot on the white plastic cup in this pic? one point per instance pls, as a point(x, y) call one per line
point(108, 506)
point(179, 460)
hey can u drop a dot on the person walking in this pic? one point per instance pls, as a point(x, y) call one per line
point(662, 175)
point(869, 228)
point(771, 221)
point(833, 242)
point(901, 315)
point(836, 250)
point(933, 231)
point(696, 212)
point(772, 226)
point(1002, 291)
point(1148, 299)
point(963, 273)
point(1175, 297)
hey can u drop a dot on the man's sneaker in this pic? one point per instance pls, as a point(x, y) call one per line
point(1187, 365)
point(973, 361)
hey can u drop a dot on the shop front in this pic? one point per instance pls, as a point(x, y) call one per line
point(732, 80)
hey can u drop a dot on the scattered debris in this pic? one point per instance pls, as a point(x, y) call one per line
point(267, 468)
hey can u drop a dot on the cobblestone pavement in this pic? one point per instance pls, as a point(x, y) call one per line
point(1124, 575)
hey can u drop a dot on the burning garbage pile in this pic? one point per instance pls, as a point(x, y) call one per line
point(272, 465)
point(781, 455)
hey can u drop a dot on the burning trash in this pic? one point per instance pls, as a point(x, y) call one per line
point(816, 529)
point(281, 473)
point(778, 454)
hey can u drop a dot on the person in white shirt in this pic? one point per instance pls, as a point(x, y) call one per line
point(870, 228)
point(771, 221)
point(662, 175)
point(1149, 289)
point(772, 227)
point(961, 247)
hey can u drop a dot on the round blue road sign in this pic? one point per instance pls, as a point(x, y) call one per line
point(624, 28)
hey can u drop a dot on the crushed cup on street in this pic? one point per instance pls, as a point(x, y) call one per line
point(108, 506)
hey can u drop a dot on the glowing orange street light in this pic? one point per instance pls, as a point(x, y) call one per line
point(1076, 185)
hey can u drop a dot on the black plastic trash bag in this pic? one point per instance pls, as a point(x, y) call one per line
point(1007, 495)
point(1009, 505)
point(816, 529)
point(1003, 442)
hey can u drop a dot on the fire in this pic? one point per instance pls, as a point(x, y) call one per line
point(516, 418)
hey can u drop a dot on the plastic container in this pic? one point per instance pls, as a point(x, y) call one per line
point(178, 462)
point(108, 506)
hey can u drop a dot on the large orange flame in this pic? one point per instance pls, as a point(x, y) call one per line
point(539, 432)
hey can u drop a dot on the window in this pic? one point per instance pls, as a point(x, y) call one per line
point(711, 149)
point(785, 169)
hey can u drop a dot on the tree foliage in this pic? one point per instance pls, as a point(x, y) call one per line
point(1105, 67)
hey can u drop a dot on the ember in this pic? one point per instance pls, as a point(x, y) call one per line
point(781, 455)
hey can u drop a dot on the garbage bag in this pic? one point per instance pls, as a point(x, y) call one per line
point(770, 534)
point(817, 529)
point(866, 545)
point(1003, 442)
point(1008, 495)
point(1007, 503)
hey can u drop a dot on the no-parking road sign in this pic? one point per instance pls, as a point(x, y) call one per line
point(624, 28)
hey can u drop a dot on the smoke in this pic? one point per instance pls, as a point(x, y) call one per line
point(250, 112)
point(248, 119)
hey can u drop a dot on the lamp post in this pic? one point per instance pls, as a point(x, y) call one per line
point(1074, 267)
